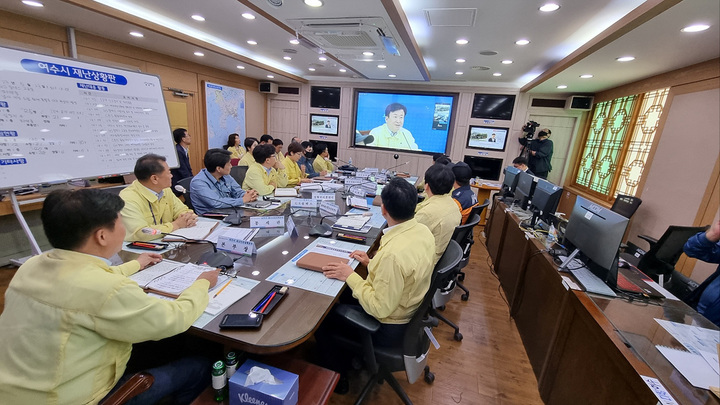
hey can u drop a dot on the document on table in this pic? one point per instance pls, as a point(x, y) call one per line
point(692, 366)
point(230, 294)
point(292, 275)
point(168, 277)
point(351, 222)
point(242, 282)
point(701, 342)
point(200, 231)
point(232, 232)
point(376, 221)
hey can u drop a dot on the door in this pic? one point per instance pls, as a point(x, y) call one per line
point(562, 131)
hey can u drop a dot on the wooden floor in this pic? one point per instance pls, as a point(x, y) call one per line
point(489, 366)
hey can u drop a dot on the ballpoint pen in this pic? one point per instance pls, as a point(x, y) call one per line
point(223, 287)
point(268, 301)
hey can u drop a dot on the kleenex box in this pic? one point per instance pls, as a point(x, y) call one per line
point(278, 387)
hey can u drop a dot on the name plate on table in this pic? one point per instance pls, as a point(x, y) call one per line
point(328, 208)
point(237, 246)
point(354, 180)
point(323, 196)
point(371, 169)
point(306, 203)
point(267, 222)
point(362, 175)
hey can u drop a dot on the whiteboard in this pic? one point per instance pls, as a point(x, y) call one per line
point(63, 119)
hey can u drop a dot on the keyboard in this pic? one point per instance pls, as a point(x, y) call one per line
point(591, 282)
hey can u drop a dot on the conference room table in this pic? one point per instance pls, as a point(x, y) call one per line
point(297, 316)
point(586, 348)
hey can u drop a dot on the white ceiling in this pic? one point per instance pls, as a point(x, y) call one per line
point(424, 31)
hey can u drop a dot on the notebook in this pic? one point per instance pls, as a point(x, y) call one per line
point(285, 192)
point(168, 278)
point(316, 261)
point(200, 231)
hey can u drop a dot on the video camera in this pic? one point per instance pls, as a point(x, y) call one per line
point(530, 128)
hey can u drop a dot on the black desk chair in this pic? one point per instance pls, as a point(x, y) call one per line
point(238, 173)
point(185, 183)
point(666, 251)
point(680, 285)
point(412, 355)
point(463, 235)
point(626, 205)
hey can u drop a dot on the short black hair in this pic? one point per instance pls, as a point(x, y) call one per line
point(443, 160)
point(148, 165)
point(399, 198)
point(394, 107)
point(262, 152)
point(266, 138)
point(249, 142)
point(320, 148)
point(436, 156)
point(277, 142)
point(69, 217)
point(216, 157)
point(179, 134)
point(520, 160)
point(305, 144)
point(440, 178)
point(295, 147)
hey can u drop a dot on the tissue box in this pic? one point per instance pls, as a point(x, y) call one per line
point(263, 393)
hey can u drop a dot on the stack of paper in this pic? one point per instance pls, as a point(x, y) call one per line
point(699, 365)
point(311, 187)
point(351, 222)
point(198, 232)
point(232, 232)
point(357, 202)
point(169, 278)
point(285, 192)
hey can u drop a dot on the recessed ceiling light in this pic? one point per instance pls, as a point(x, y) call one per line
point(497, 74)
point(625, 58)
point(392, 75)
point(458, 73)
point(251, 42)
point(270, 76)
point(137, 34)
point(199, 54)
point(311, 69)
point(294, 41)
point(322, 58)
point(562, 86)
point(460, 60)
point(506, 62)
point(314, 3)
point(343, 70)
point(549, 7)
point(691, 28)
point(381, 66)
point(368, 53)
point(522, 42)
point(248, 16)
point(585, 76)
point(32, 3)
point(462, 41)
point(287, 58)
point(241, 67)
point(197, 17)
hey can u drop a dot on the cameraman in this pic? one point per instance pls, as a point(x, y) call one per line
point(540, 152)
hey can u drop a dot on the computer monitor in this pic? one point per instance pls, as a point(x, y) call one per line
point(511, 180)
point(545, 201)
point(596, 232)
point(525, 188)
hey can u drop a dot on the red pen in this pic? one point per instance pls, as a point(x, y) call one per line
point(268, 301)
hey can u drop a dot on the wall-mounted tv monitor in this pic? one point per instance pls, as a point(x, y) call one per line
point(325, 97)
point(324, 124)
point(487, 138)
point(493, 106)
point(403, 121)
point(484, 167)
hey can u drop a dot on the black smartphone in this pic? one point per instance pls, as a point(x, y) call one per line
point(237, 321)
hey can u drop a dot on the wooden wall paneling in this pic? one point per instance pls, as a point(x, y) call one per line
point(36, 28)
point(279, 125)
point(28, 42)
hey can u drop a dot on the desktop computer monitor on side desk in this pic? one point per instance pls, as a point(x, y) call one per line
point(510, 181)
point(545, 201)
point(596, 232)
point(525, 188)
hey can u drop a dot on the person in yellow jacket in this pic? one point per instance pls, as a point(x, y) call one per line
point(294, 173)
point(150, 206)
point(322, 158)
point(247, 159)
point(438, 211)
point(71, 319)
point(266, 173)
point(233, 145)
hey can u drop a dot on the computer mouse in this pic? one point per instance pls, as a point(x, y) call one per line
point(216, 259)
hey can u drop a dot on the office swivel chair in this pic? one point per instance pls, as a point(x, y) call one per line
point(412, 355)
point(185, 183)
point(238, 173)
point(666, 251)
point(626, 205)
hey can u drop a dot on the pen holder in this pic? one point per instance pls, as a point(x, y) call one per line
point(270, 300)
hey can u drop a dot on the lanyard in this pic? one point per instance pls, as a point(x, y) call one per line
point(152, 213)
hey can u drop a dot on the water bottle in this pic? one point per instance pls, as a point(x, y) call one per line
point(231, 364)
point(350, 161)
point(219, 380)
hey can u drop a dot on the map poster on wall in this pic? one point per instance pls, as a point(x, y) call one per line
point(225, 108)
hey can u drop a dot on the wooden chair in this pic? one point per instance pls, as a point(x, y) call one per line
point(136, 385)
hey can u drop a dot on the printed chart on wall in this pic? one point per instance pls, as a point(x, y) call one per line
point(225, 109)
point(63, 119)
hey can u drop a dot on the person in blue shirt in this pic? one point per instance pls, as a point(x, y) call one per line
point(214, 188)
point(706, 298)
point(306, 161)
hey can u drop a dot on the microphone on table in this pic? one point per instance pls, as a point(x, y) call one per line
point(396, 166)
point(233, 219)
point(213, 259)
point(348, 167)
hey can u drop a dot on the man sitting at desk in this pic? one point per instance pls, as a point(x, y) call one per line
point(438, 211)
point(464, 196)
point(322, 159)
point(399, 274)
point(70, 318)
point(706, 298)
point(306, 161)
point(214, 188)
point(247, 159)
point(266, 173)
point(150, 204)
